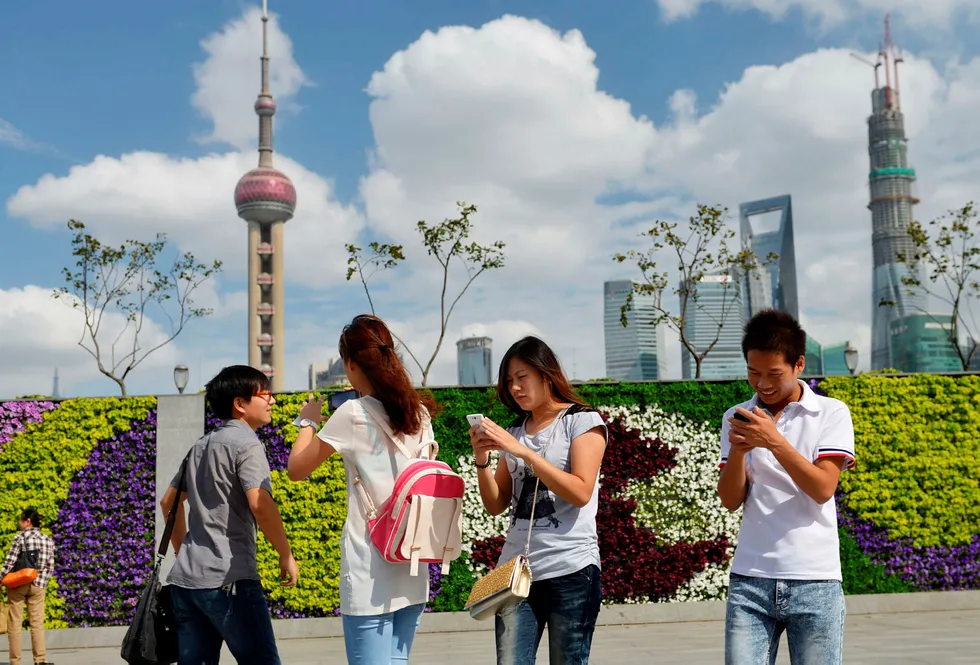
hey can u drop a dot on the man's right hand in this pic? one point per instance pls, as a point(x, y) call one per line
point(288, 570)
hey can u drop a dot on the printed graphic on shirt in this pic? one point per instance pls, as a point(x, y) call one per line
point(543, 502)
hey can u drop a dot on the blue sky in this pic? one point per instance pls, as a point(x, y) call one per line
point(112, 78)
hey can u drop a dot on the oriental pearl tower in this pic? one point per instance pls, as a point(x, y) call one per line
point(266, 199)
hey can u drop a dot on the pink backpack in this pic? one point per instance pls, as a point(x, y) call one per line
point(422, 520)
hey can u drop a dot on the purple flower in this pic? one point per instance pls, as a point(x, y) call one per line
point(105, 529)
point(938, 568)
point(16, 416)
point(271, 437)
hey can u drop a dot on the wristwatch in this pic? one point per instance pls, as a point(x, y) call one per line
point(306, 422)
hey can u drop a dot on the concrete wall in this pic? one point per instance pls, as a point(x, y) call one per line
point(180, 423)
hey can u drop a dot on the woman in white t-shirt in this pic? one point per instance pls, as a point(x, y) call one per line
point(559, 440)
point(381, 603)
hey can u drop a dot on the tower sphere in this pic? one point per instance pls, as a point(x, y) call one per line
point(265, 195)
point(265, 105)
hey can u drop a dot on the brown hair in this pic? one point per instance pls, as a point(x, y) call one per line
point(367, 342)
point(538, 355)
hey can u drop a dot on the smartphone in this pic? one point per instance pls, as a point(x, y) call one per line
point(336, 399)
point(741, 416)
point(474, 419)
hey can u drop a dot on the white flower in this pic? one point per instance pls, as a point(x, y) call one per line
point(478, 524)
point(682, 504)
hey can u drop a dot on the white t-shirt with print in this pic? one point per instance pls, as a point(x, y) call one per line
point(369, 585)
point(785, 534)
point(563, 538)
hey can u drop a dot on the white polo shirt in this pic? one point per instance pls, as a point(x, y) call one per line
point(785, 534)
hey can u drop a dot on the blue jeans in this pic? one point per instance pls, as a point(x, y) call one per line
point(759, 610)
point(237, 615)
point(381, 639)
point(567, 605)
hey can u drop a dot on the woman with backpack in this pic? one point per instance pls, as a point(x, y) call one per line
point(381, 603)
point(32, 555)
point(548, 466)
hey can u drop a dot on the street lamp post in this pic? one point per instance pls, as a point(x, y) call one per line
point(181, 374)
point(851, 358)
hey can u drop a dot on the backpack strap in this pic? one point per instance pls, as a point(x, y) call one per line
point(381, 421)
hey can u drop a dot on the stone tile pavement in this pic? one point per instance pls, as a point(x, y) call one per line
point(940, 638)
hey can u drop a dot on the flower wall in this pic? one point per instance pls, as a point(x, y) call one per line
point(87, 465)
point(909, 512)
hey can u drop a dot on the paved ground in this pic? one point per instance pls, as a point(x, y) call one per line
point(946, 638)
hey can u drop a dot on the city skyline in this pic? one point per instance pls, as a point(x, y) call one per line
point(569, 156)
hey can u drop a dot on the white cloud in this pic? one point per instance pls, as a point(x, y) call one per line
point(15, 138)
point(509, 117)
point(40, 334)
point(930, 12)
point(228, 80)
point(144, 193)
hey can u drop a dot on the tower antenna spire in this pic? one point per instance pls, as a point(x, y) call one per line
point(266, 198)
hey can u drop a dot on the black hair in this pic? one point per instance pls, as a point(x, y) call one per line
point(231, 382)
point(775, 331)
point(31, 516)
point(538, 355)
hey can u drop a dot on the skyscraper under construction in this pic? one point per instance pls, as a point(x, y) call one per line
point(891, 204)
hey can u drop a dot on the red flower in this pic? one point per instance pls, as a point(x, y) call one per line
point(635, 564)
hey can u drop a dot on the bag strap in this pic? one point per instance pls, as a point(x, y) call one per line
point(172, 514)
point(359, 487)
point(537, 482)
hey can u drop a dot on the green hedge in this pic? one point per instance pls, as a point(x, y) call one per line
point(918, 449)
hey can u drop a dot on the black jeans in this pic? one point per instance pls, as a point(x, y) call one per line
point(237, 615)
point(567, 605)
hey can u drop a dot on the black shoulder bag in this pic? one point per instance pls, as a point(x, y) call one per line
point(152, 636)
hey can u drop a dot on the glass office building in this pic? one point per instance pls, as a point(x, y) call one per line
point(474, 361)
point(634, 352)
point(923, 343)
point(774, 284)
point(718, 301)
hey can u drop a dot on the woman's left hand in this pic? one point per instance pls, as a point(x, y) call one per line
point(495, 437)
point(312, 409)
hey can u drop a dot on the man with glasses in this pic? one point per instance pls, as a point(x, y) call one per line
point(217, 595)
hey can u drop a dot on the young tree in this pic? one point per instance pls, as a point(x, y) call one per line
point(696, 259)
point(447, 243)
point(946, 252)
point(127, 279)
point(382, 257)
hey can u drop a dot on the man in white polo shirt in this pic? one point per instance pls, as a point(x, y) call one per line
point(782, 453)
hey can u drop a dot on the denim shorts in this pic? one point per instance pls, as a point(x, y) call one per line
point(760, 609)
point(567, 605)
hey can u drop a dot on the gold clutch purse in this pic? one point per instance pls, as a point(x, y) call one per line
point(510, 582)
point(503, 586)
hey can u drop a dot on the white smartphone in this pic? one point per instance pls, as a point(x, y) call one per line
point(474, 419)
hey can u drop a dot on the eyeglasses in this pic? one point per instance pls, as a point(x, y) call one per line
point(265, 394)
